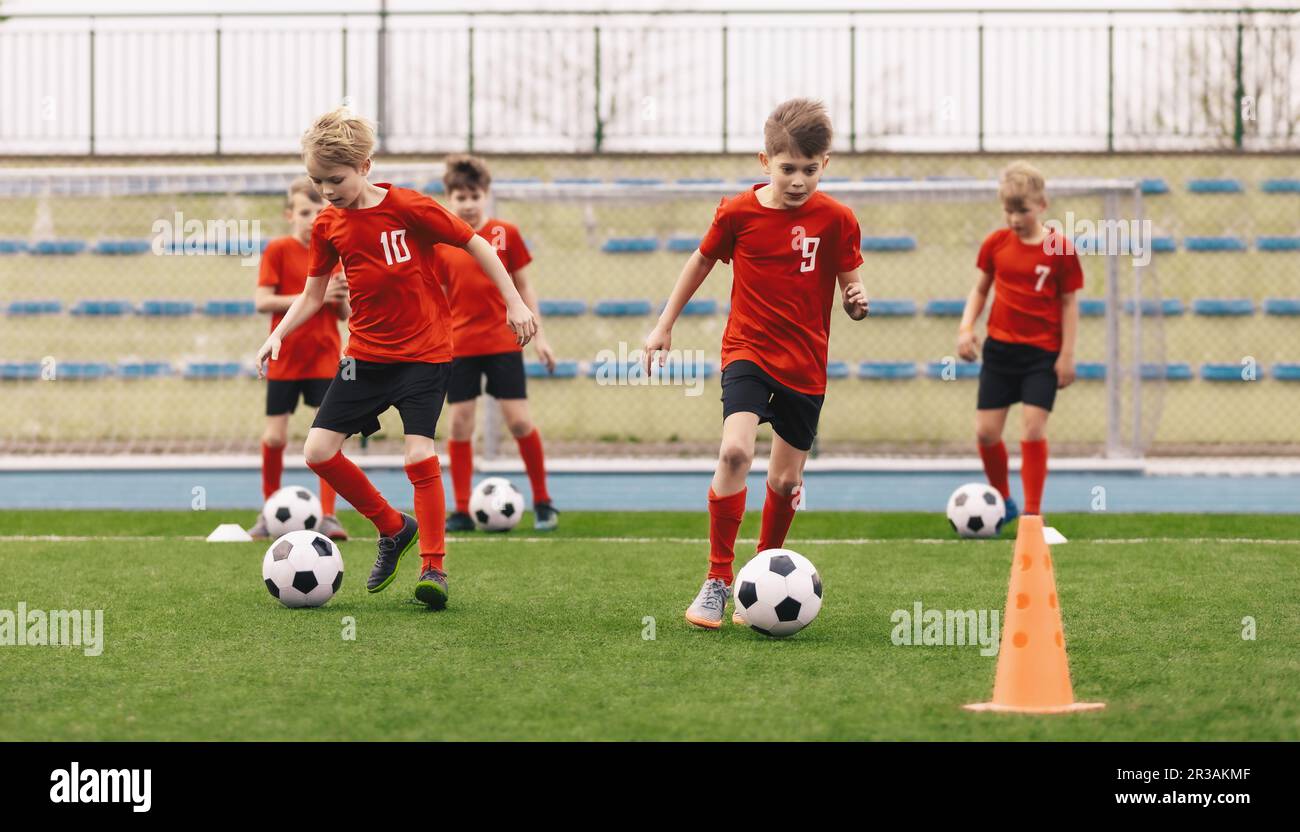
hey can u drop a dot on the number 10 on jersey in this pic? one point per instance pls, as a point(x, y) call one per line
point(396, 250)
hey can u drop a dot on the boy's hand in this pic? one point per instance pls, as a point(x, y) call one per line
point(521, 321)
point(1064, 370)
point(658, 339)
point(270, 348)
point(544, 353)
point(968, 345)
point(337, 290)
point(856, 303)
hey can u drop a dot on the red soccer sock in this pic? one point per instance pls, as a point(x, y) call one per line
point(430, 510)
point(995, 467)
point(350, 481)
point(778, 513)
point(462, 471)
point(272, 468)
point(725, 514)
point(326, 498)
point(530, 449)
point(1033, 473)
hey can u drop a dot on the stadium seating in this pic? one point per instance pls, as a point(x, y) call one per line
point(229, 308)
point(103, 308)
point(888, 243)
point(1218, 307)
point(630, 245)
point(1282, 306)
point(1214, 243)
point(561, 308)
point(118, 247)
point(34, 307)
point(166, 308)
point(946, 308)
point(961, 369)
point(886, 370)
point(623, 308)
point(1278, 243)
point(1226, 372)
point(1214, 186)
point(893, 308)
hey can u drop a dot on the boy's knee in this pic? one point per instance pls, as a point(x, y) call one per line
point(783, 483)
point(736, 458)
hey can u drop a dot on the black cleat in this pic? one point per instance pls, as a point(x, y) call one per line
point(459, 521)
point(432, 589)
point(545, 517)
point(391, 550)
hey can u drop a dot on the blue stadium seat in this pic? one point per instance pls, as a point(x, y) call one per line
point(964, 370)
point(1169, 307)
point(1163, 245)
point(948, 308)
point(229, 308)
point(1090, 371)
point(623, 308)
point(837, 369)
point(682, 243)
point(1178, 371)
point(434, 187)
point(562, 308)
point(1226, 372)
point(1280, 186)
point(143, 369)
point(1223, 307)
point(637, 180)
point(630, 245)
point(612, 369)
point(166, 308)
point(1155, 186)
point(1214, 186)
point(888, 244)
point(59, 247)
point(886, 370)
point(1286, 372)
point(563, 369)
point(35, 307)
point(1277, 243)
point(204, 370)
point(683, 371)
point(1282, 306)
point(1214, 244)
point(105, 308)
point(579, 180)
point(893, 308)
point(700, 180)
point(13, 246)
point(697, 308)
point(1092, 307)
point(15, 370)
point(79, 371)
point(113, 247)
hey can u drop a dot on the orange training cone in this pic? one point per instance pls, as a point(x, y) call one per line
point(1033, 671)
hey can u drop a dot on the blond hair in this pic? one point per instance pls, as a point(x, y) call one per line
point(798, 126)
point(1021, 182)
point(302, 185)
point(339, 138)
point(466, 173)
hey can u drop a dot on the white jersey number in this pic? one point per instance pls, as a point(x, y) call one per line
point(398, 253)
point(807, 247)
point(1042, 272)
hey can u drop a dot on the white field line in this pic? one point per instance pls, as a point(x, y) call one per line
point(832, 541)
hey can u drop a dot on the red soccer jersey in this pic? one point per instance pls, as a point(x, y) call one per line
point(783, 282)
point(312, 350)
point(1028, 283)
point(478, 312)
point(398, 315)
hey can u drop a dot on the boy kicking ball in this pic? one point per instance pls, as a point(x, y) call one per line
point(484, 349)
point(309, 358)
point(791, 245)
point(1029, 352)
point(399, 345)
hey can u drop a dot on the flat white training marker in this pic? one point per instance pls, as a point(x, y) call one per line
point(1052, 537)
point(229, 533)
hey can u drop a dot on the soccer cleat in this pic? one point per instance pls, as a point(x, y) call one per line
point(332, 528)
point(432, 589)
point(545, 517)
point(1013, 511)
point(391, 550)
point(259, 530)
point(706, 611)
point(459, 521)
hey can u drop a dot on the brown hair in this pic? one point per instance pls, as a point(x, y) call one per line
point(339, 138)
point(1021, 182)
point(466, 173)
point(798, 126)
point(302, 185)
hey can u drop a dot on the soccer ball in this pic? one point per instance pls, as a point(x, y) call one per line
point(778, 592)
point(303, 569)
point(496, 505)
point(292, 508)
point(976, 510)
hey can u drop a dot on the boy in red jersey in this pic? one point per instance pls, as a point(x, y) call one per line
point(791, 245)
point(399, 344)
point(1029, 352)
point(483, 348)
point(307, 360)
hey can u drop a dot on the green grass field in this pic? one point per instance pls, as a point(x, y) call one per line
point(545, 637)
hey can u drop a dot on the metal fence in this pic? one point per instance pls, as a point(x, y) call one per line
point(941, 80)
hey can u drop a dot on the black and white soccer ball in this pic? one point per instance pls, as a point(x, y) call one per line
point(496, 505)
point(778, 593)
point(291, 509)
point(976, 509)
point(303, 569)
